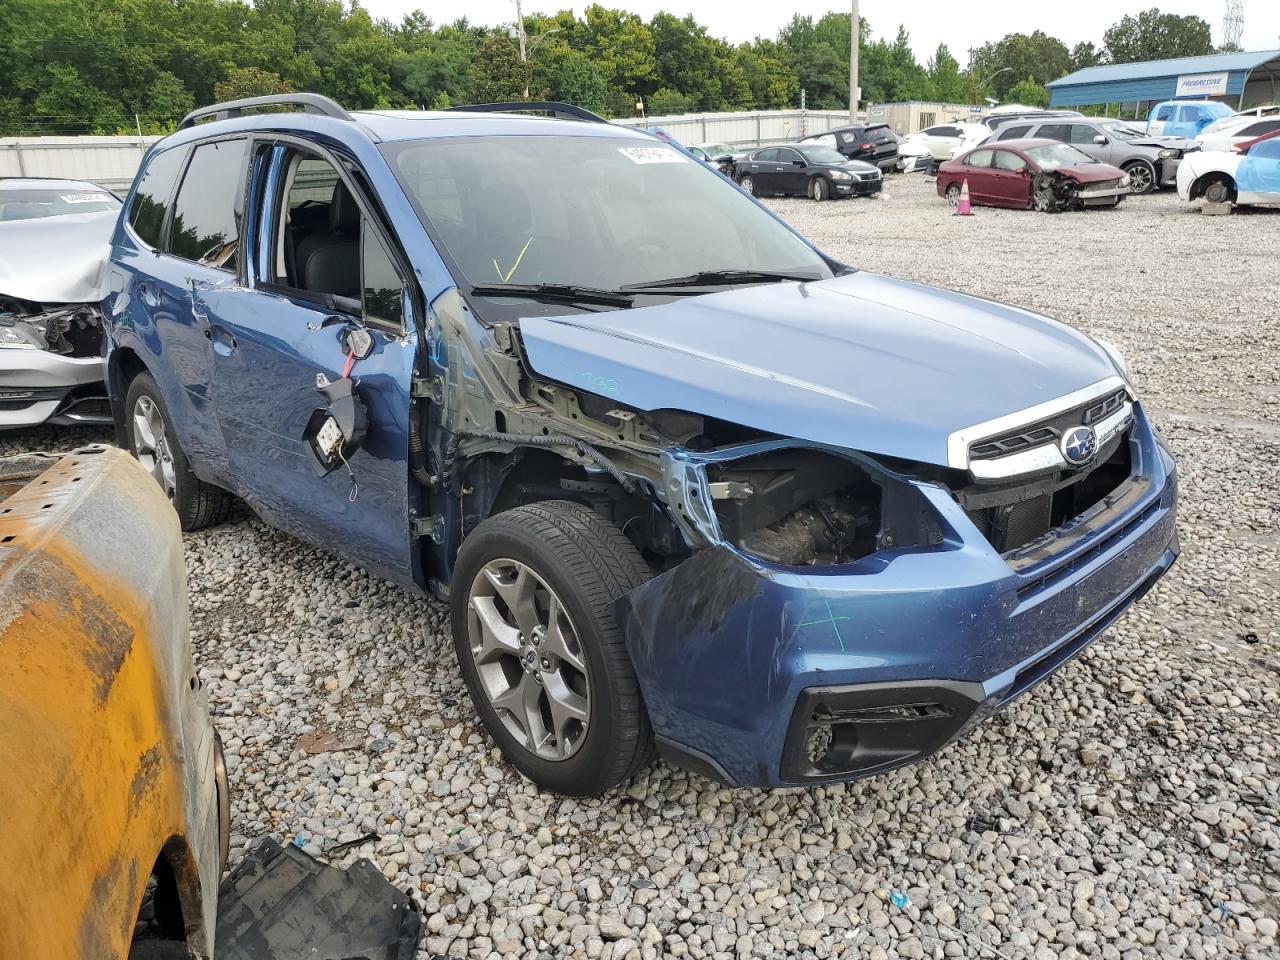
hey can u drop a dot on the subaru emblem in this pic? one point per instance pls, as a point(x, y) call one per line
point(1078, 445)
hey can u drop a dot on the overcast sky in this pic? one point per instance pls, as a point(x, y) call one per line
point(929, 22)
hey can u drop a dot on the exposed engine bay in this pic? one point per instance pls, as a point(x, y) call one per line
point(69, 329)
point(1053, 192)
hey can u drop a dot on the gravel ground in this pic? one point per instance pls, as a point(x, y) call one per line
point(1128, 808)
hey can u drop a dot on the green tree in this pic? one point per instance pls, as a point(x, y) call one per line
point(666, 102)
point(1085, 54)
point(944, 74)
point(250, 82)
point(1152, 35)
point(500, 74)
point(1029, 92)
point(996, 67)
point(580, 82)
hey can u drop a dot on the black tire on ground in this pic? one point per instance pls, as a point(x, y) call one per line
point(1219, 188)
point(197, 503)
point(588, 563)
point(952, 193)
point(819, 191)
point(1142, 176)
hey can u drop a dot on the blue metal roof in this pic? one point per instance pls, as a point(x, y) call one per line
point(1148, 69)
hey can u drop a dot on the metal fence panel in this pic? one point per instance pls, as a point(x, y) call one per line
point(113, 161)
point(110, 161)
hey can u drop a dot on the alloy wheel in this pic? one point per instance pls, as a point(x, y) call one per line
point(529, 658)
point(1140, 178)
point(749, 185)
point(953, 194)
point(151, 444)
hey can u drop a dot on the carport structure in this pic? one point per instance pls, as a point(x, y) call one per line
point(1238, 79)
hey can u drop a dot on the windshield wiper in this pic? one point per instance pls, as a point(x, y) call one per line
point(718, 278)
point(554, 293)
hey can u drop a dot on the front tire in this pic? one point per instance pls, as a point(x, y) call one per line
point(154, 443)
point(542, 657)
point(820, 191)
point(1142, 178)
point(952, 194)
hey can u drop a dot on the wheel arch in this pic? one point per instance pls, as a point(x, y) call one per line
point(1201, 183)
point(123, 365)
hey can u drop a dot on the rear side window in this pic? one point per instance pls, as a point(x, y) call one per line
point(1258, 129)
point(1015, 133)
point(206, 213)
point(767, 156)
point(1055, 131)
point(151, 199)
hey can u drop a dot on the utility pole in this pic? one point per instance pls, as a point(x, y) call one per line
point(855, 24)
point(520, 32)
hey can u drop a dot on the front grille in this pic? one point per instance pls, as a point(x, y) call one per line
point(1016, 516)
point(1045, 431)
point(1103, 185)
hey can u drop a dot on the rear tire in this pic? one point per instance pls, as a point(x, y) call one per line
point(748, 185)
point(530, 608)
point(154, 443)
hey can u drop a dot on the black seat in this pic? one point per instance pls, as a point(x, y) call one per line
point(328, 260)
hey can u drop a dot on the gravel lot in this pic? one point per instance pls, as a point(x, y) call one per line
point(1128, 808)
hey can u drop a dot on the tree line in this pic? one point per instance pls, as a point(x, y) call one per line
point(116, 66)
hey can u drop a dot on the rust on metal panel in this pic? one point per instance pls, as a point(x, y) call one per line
point(89, 748)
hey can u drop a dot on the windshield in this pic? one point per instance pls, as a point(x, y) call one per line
point(718, 149)
point(1053, 156)
point(601, 212)
point(823, 155)
point(1120, 130)
point(32, 204)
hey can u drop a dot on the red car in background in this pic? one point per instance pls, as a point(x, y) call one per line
point(1032, 174)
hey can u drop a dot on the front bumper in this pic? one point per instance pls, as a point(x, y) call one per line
point(38, 386)
point(775, 676)
point(859, 188)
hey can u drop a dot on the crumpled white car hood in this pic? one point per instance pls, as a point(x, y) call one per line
point(56, 259)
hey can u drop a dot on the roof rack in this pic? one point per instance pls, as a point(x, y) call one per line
point(561, 111)
point(310, 103)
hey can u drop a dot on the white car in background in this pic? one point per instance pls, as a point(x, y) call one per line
point(940, 142)
point(1229, 132)
point(1247, 175)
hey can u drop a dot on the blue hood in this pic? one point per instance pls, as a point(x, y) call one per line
point(864, 362)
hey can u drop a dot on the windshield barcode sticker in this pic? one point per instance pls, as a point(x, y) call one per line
point(82, 197)
point(652, 155)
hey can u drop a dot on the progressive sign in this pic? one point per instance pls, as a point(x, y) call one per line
point(1202, 85)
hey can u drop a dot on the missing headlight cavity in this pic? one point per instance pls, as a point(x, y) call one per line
point(73, 329)
point(797, 507)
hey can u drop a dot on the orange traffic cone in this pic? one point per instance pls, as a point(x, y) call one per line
point(963, 209)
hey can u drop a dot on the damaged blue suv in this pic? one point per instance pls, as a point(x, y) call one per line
point(686, 481)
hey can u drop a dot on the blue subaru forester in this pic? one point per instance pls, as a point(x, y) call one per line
point(686, 481)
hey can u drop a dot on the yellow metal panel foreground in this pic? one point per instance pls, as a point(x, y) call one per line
point(107, 758)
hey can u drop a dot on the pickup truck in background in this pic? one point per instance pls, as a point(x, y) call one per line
point(114, 790)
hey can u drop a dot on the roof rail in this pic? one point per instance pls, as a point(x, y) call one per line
point(310, 103)
point(561, 111)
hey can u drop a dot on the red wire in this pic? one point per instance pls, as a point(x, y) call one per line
point(351, 362)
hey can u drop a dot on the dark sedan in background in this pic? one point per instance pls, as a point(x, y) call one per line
point(1032, 174)
point(872, 142)
point(806, 171)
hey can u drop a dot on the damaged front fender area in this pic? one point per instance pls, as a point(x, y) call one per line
point(815, 566)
